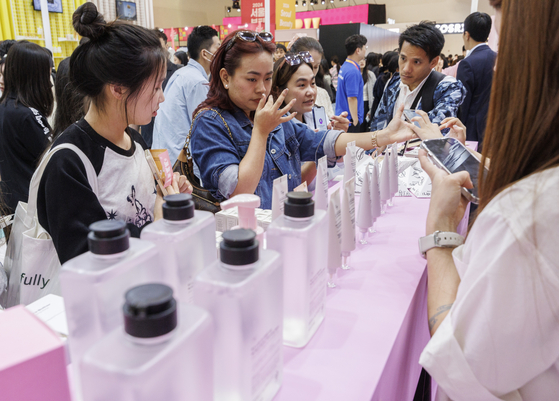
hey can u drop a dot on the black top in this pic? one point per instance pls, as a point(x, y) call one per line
point(24, 136)
point(66, 204)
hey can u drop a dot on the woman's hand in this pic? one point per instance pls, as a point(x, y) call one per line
point(447, 205)
point(396, 131)
point(340, 122)
point(179, 185)
point(269, 115)
point(428, 130)
point(457, 128)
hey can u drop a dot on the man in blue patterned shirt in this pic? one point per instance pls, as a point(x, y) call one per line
point(417, 85)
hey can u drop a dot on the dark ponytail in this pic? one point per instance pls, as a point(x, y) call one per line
point(116, 53)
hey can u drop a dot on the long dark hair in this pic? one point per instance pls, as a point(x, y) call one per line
point(230, 60)
point(27, 77)
point(372, 60)
point(521, 136)
point(282, 74)
point(70, 104)
point(116, 53)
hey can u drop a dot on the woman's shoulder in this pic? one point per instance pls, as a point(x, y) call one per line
point(529, 205)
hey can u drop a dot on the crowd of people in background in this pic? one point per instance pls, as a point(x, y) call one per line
point(250, 110)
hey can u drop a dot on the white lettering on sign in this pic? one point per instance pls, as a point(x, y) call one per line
point(287, 24)
point(450, 28)
point(285, 5)
point(286, 13)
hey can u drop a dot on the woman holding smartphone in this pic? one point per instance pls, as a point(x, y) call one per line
point(242, 140)
point(120, 69)
point(493, 302)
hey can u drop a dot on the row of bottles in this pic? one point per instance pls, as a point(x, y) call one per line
point(193, 327)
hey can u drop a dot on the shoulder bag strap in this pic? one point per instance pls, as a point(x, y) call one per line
point(187, 142)
point(36, 179)
point(427, 91)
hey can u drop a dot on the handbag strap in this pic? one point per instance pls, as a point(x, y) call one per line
point(187, 142)
point(36, 179)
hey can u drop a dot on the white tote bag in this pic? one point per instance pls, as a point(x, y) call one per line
point(31, 260)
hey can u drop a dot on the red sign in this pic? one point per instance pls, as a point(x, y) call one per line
point(253, 12)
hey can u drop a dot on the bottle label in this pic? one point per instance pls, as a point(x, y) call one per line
point(317, 285)
point(266, 354)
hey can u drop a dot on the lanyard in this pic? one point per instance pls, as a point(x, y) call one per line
point(354, 63)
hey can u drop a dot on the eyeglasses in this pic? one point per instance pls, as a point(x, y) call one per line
point(298, 58)
point(249, 36)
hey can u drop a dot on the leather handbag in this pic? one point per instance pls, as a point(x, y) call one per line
point(203, 199)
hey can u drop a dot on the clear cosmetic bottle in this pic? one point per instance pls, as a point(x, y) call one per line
point(93, 284)
point(185, 239)
point(163, 352)
point(301, 236)
point(243, 293)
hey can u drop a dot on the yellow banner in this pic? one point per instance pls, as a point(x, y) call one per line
point(285, 14)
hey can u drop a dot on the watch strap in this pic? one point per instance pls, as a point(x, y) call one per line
point(439, 239)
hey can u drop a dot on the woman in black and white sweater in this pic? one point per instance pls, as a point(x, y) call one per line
point(120, 69)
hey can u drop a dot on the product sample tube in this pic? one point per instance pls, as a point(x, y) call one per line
point(385, 182)
point(393, 172)
point(321, 189)
point(375, 193)
point(364, 216)
point(334, 237)
point(348, 222)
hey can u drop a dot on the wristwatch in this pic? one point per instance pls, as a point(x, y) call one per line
point(439, 239)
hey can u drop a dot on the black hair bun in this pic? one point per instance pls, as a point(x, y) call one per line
point(88, 22)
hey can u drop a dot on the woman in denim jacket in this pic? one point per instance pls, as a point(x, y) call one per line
point(259, 142)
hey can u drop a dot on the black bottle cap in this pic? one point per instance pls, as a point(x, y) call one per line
point(149, 311)
point(178, 207)
point(239, 247)
point(107, 237)
point(299, 204)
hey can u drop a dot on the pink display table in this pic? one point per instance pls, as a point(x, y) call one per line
point(375, 328)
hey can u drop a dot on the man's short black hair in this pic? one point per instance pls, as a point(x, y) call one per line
point(354, 42)
point(425, 36)
point(201, 38)
point(282, 47)
point(478, 25)
point(160, 34)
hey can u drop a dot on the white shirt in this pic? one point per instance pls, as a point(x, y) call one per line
point(500, 340)
point(475, 47)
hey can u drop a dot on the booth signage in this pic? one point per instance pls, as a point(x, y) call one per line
point(254, 11)
point(447, 29)
point(285, 14)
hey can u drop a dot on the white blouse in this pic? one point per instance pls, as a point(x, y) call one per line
point(500, 340)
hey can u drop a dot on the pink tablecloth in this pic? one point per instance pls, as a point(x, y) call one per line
point(376, 320)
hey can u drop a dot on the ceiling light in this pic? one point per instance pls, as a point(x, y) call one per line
point(228, 9)
point(236, 5)
point(296, 3)
point(228, 25)
point(323, 2)
point(304, 3)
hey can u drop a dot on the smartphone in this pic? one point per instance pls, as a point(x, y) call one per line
point(409, 114)
point(155, 172)
point(450, 155)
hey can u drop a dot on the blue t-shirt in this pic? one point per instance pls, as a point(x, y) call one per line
point(350, 84)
